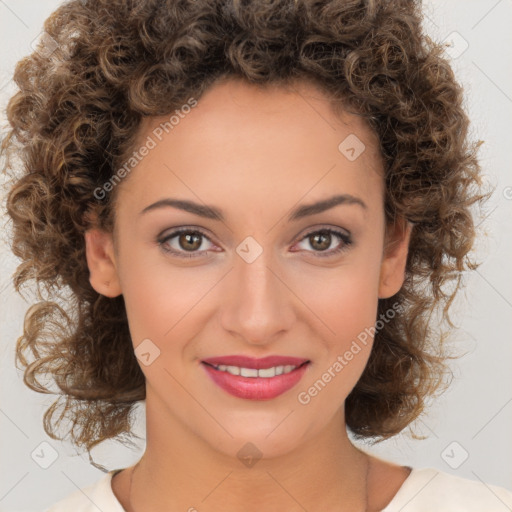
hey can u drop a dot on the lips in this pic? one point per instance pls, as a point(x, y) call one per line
point(255, 387)
point(255, 363)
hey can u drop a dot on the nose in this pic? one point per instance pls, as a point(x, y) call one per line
point(257, 303)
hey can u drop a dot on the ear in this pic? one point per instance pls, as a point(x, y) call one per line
point(99, 249)
point(396, 247)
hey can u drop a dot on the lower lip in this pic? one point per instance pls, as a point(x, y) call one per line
point(255, 388)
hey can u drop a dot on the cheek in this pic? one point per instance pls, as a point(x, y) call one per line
point(156, 296)
point(347, 305)
point(344, 298)
point(349, 310)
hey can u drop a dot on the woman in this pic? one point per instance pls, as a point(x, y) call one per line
point(255, 208)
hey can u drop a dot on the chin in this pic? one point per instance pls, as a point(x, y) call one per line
point(251, 441)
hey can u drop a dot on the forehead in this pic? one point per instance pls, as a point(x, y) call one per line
point(234, 102)
point(243, 138)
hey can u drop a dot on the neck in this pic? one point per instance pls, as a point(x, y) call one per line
point(181, 472)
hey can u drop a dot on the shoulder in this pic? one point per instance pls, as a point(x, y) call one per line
point(94, 497)
point(428, 489)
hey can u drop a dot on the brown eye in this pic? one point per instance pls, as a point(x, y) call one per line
point(189, 241)
point(184, 243)
point(322, 239)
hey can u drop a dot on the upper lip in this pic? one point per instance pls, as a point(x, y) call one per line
point(255, 363)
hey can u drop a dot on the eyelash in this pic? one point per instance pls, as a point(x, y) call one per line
point(347, 242)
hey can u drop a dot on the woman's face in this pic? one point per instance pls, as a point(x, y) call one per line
point(262, 281)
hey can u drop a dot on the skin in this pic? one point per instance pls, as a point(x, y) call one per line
point(255, 154)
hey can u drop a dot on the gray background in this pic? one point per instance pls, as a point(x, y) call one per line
point(473, 419)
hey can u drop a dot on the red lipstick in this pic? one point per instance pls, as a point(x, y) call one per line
point(255, 383)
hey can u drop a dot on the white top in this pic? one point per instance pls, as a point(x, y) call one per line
point(424, 490)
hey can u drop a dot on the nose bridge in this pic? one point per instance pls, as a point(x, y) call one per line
point(256, 278)
point(256, 308)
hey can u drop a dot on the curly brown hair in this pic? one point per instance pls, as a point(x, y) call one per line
point(77, 115)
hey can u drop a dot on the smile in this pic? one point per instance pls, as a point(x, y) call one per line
point(253, 372)
point(256, 384)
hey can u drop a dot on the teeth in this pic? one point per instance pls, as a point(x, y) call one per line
point(252, 372)
point(248, 372)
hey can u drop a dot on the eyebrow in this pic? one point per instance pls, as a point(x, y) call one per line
point(211, 212)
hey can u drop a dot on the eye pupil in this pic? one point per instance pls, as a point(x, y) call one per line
point(186, 238)
point(321, 234)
